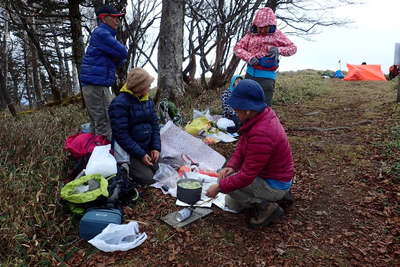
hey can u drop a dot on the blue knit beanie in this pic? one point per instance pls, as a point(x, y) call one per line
point(248, 95)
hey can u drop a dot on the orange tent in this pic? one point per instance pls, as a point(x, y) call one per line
point(364, 73)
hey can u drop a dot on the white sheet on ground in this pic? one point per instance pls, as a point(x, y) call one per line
point(175, 141)
point(226, 138)
point(219, 201)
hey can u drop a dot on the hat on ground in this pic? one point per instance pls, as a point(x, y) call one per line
point(138, 79)
point(108, 10)
point(248, 95)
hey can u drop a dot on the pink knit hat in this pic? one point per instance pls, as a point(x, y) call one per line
point(264, 17)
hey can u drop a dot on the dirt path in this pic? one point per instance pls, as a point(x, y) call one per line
point(346, 210)
point(342, 214)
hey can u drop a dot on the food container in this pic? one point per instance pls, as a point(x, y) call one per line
point(189, 190)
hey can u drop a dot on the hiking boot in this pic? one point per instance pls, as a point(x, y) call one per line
point(287, 200)
point(288, 196)
point(266, 213)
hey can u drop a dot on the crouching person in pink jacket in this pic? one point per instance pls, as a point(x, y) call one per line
point(260, 171)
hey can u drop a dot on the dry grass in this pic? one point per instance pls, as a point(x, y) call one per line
point(31, 167)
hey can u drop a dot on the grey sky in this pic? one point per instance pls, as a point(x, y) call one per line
point(371, 38)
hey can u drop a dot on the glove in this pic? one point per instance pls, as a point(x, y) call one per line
point(274, 52)
point(253, 61)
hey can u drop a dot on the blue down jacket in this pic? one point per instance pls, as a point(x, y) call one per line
point(134, 125)
point(102, 56)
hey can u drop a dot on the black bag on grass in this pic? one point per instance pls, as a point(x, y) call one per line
point(73, 166)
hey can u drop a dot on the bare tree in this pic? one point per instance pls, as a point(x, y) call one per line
point(5, 96)
point(77, 38)
point(33, 59)
point(18, 11)
point(306, 18)
point(213, 27)
point(142, 38)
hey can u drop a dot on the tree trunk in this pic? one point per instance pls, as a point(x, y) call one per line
point(3, 78)
point(77, 43)
point(121, 36)
point(68, 83)
point(217, 77)
point(27, 72)
point(12, 70)
point(37, 85)
point(4, 95)
point(3, 104)
point(75, 79)
point(170, 50)
point(76, 33)
point(62, 75)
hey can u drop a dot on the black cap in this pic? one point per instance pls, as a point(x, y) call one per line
point(108, 10)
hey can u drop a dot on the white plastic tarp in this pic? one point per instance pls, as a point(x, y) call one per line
point(175, 142)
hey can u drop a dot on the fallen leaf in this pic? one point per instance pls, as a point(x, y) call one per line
point(280, 251)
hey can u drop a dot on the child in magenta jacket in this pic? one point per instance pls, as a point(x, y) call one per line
point(260, 171)
point(261, 49)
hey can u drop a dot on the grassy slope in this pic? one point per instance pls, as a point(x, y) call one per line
point(346, 208)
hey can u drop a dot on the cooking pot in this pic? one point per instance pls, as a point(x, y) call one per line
point(189, 190)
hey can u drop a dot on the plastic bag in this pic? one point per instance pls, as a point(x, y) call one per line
point(197, 125)
point(101, 162)
point(119, 237)
point(166, 177)
point(224, 123)
point(120, 155)
point(199, 113)
point(86, 128)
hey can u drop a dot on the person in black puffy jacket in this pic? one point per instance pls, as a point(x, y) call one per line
point(97, 74)
point(135, 127)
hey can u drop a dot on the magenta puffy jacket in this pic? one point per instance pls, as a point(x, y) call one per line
point(263, 150)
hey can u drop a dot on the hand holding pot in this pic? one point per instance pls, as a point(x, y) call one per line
point(225, 172)
point(213, 191)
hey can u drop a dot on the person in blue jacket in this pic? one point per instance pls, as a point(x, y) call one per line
point(135, 127)
point(228, 112)
point(97, 74)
